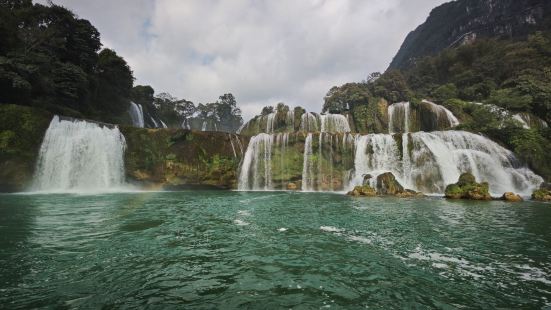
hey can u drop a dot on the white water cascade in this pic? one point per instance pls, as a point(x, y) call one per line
point(438, 158)
point(77, 156)
point(309, 122)
point(398, 117)
point(308, 179)
point(334, 123)
point(136, 114)
point(256, 168)
point(442, 114)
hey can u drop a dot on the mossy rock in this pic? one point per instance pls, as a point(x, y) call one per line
point(511, 197)
point(468, 188)
point(364, 190)
point(542, 194)
point(388, 185)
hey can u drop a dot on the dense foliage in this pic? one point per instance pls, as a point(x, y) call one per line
point(49, 58)
point(488, 84)
point(221, 115)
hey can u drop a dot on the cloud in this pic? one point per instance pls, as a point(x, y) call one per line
point(263, 52)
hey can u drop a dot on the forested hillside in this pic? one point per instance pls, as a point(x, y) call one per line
point(52, 59)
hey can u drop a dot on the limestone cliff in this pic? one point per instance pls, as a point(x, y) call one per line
point(461, 22)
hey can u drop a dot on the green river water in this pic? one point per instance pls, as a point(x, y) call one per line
point(271, 250)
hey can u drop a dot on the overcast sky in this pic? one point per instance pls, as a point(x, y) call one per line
point(263, 52)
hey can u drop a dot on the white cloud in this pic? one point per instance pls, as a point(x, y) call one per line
point(262, 51)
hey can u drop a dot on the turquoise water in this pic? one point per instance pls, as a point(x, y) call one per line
point(271, 250)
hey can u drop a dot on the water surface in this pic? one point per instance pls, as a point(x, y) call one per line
point(271, 250)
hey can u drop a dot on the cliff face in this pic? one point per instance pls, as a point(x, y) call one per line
point(461, 22)
point(181, 159)
point(21, 132)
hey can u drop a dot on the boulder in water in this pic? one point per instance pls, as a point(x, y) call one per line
point(387, 184)
point(409, 193)
point(542, 194)
point(511, 197)
point(467, 188)
point(364, 190)
point(292, 186)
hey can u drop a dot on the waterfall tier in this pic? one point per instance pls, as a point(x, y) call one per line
point(421, 161)
point(77, 156)
point(136, 114)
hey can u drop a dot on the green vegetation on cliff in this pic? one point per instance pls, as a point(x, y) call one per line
point(21, 133)
point(177, 158)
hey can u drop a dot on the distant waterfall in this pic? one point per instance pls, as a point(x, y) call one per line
point(438, 158)
point(334, 123)
point(80, 156)
point(309, 122)
point(398, 117)
point(443, 115)
point(136, 114)
point(270, 122)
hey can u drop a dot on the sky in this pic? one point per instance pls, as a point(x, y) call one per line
point(261, 51)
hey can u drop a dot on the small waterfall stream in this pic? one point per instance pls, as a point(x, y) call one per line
point(76, 156)
point(136, 114)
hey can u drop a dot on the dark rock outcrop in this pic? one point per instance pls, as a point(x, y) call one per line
point(467, 188)
point(387, 185)
point(464, 21)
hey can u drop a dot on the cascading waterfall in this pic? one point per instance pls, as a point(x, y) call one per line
point(270, 122)
point(308, 165)
point(77, 156)
point(398, 117)
point(204, 126)
point(438, 158)
point(334, 123)
point(256, 168)
point(442, 114)
point(136, 114)
point(290, 120)
point(309, 122)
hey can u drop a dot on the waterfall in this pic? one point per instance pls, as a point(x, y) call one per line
point(398, 117)
point(136, 114)
point(334, 123)
point(270, 122)
point(256, 168)
point(443, 115)
point(309, 122)
point(290, 120)
point(204, 126)
point(76, 155)
point(163, 123)
point(308, 165)
point(438, 158)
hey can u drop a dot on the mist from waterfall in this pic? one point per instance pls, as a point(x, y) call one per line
point(80, 156)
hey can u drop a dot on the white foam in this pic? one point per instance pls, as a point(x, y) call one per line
point(331, 229)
